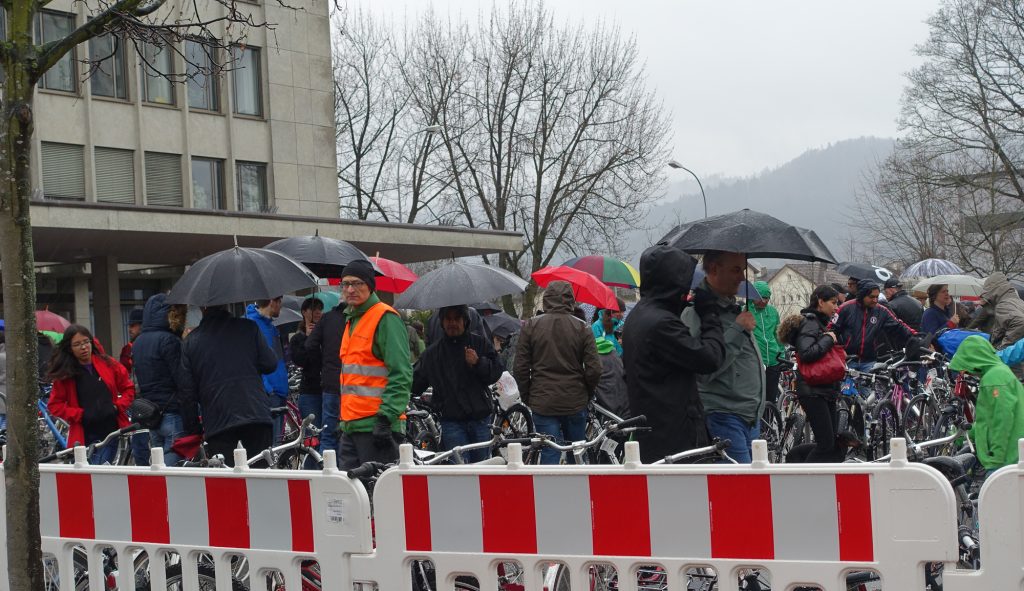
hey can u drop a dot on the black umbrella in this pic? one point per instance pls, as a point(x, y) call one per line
point(485, 307)
point(502, 325)
point(322, 255)
point(458, 283)
point(239, 275)
point(755, 234)
point(865, 271)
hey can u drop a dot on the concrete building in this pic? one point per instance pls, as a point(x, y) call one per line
point(137, 176)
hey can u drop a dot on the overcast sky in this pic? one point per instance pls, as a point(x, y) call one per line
point(752, 84)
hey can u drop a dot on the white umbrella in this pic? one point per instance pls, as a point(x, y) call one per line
point(959, 285)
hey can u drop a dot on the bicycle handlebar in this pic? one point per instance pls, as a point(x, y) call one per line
point(367, 470)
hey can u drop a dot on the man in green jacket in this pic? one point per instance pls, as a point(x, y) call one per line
point(999, 415)
point(767, 318)
point(371, 429)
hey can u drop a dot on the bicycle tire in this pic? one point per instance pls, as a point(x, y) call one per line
point(946, 425)
point(888, 423)
point(920, 418)
point(207, 579)
point(296, 459)
point(792, 435)
point(772, 428)
point(516, 422)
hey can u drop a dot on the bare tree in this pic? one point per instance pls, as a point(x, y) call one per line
point(148, 26)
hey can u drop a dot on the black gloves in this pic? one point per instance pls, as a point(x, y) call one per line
point(382, 432)
point(704, 301)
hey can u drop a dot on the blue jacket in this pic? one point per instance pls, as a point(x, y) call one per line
point(598, 328)
point(275, 382)
point(1012, 355)
point(934, 320)
point(157, 357)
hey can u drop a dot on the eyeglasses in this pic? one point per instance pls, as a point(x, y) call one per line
point(353, 284)
point(82, 345)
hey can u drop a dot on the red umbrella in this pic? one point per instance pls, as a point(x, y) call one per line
point(396, 277)
point(47, 320)
point(586, 288)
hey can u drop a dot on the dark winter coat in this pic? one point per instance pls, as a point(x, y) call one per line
point(460, 390)
point(223, 361)
point(557, 366)
point(907, 309)
point(861, 330)
point(806, 333)
point(325, 341)
point(311, 363)
point(662, 359)
point(1007, 308)
point(157, 357)
point(935, 319)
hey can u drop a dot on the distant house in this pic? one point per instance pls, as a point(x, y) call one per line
point(792, 285)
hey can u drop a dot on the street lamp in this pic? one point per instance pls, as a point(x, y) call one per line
point(398, 171)
point(674, 164)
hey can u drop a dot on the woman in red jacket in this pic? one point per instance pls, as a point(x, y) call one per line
point(91, 391)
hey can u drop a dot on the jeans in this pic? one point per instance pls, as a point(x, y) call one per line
point(277, 422)
point(140, 444)
point(741, 435)
point(861, 365)
point(456, 433)
point(312, 404)
point(171, 429)
point(565, 428)
point(104, 455)
point(331, 409)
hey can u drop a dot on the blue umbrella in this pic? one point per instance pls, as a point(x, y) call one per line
point(931, 268)
point(746, 290)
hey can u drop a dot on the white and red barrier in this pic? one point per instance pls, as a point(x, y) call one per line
point(804, 524)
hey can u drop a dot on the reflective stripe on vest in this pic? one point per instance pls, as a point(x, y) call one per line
point(363, 377)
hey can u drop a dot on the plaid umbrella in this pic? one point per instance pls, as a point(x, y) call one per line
point(610, 271)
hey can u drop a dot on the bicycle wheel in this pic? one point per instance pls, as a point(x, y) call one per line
point(887, 426)
point(516, 422)
point(298, 458)
point(945, 426)
point(772, 429)
point(792, 435)
point(207, 580)
point(920, 417)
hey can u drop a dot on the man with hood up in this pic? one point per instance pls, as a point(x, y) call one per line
point(1006, 311)
point(157, 359)
point(862, 326)
point(767, 318)
point(460, 366)
point(557, 368)
point(663, 359)
point(999, 415)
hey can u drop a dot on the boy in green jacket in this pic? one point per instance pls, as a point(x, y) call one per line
point(767, 318)
point(999, 416)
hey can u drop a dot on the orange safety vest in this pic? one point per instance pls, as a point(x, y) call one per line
point(363, 377)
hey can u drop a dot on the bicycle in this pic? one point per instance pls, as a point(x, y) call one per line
point(578, 449)
point(299, 450)
point(120, 436)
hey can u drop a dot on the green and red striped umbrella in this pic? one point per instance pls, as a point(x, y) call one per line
point(610, 271)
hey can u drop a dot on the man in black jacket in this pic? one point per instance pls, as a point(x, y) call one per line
point(662, 359)
point(902, 304)
point(459, 366)
point(310, 389)
point(325, 342)
point(157, 360)
point(863, 325)
point(222, 362)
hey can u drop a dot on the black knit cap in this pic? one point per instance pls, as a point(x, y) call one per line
point(363, 270)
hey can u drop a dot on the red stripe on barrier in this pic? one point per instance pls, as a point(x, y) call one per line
point(302, 515)
point(227, 505)
point(416, 497)
point(853, 505)
point(147, 501)
point(611, 499)
point(507, 514)
point(741, 516)
point(74, 502)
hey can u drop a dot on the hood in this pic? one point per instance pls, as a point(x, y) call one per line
point(790, 325)
point(864, 287)
point(254, 314)
point(975, 355)
point(996, 287)
point(763, 289)
point(154, 316)
point(558, 298)
point(665, 276)
point(604, 346)
point(463, 311)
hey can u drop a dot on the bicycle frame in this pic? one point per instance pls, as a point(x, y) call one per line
point(44, 414)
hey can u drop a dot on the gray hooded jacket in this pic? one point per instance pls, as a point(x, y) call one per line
point(1008, 310)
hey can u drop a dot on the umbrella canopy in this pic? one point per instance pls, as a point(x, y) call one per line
point(931, 268)
point(395, 277)
point(753, 233)
point(502, 325)
point(746, 290)
point(329, 298)
point(238, 275)
point(585, 287)
point(458, 283)
point(322, 255)
point(288, 316)
point(486, 307)
point(959, 285)
point(611, 271)
point(47, 320)
point(865, 271)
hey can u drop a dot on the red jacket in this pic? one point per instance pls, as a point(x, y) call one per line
point(64, 397)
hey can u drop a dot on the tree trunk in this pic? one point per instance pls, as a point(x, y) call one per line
point(529, 300)
point(17, 261)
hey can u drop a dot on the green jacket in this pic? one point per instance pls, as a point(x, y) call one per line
point(738, 386)
point(999, 415)
point(390, 345)
point(767, 325)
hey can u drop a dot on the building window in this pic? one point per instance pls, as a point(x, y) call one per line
point(115, 175)
point(203, 91)
point(63, 171)
point(163, 179)
point(252, 186)
point(207, 183)
point(157, 69)
point(109, 76)
point(53, 26)
point(245, 80)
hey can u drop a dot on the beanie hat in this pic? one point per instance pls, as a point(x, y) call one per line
point(604, 346)
point(363, 270)
point(893, 282)
point(135, 316)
